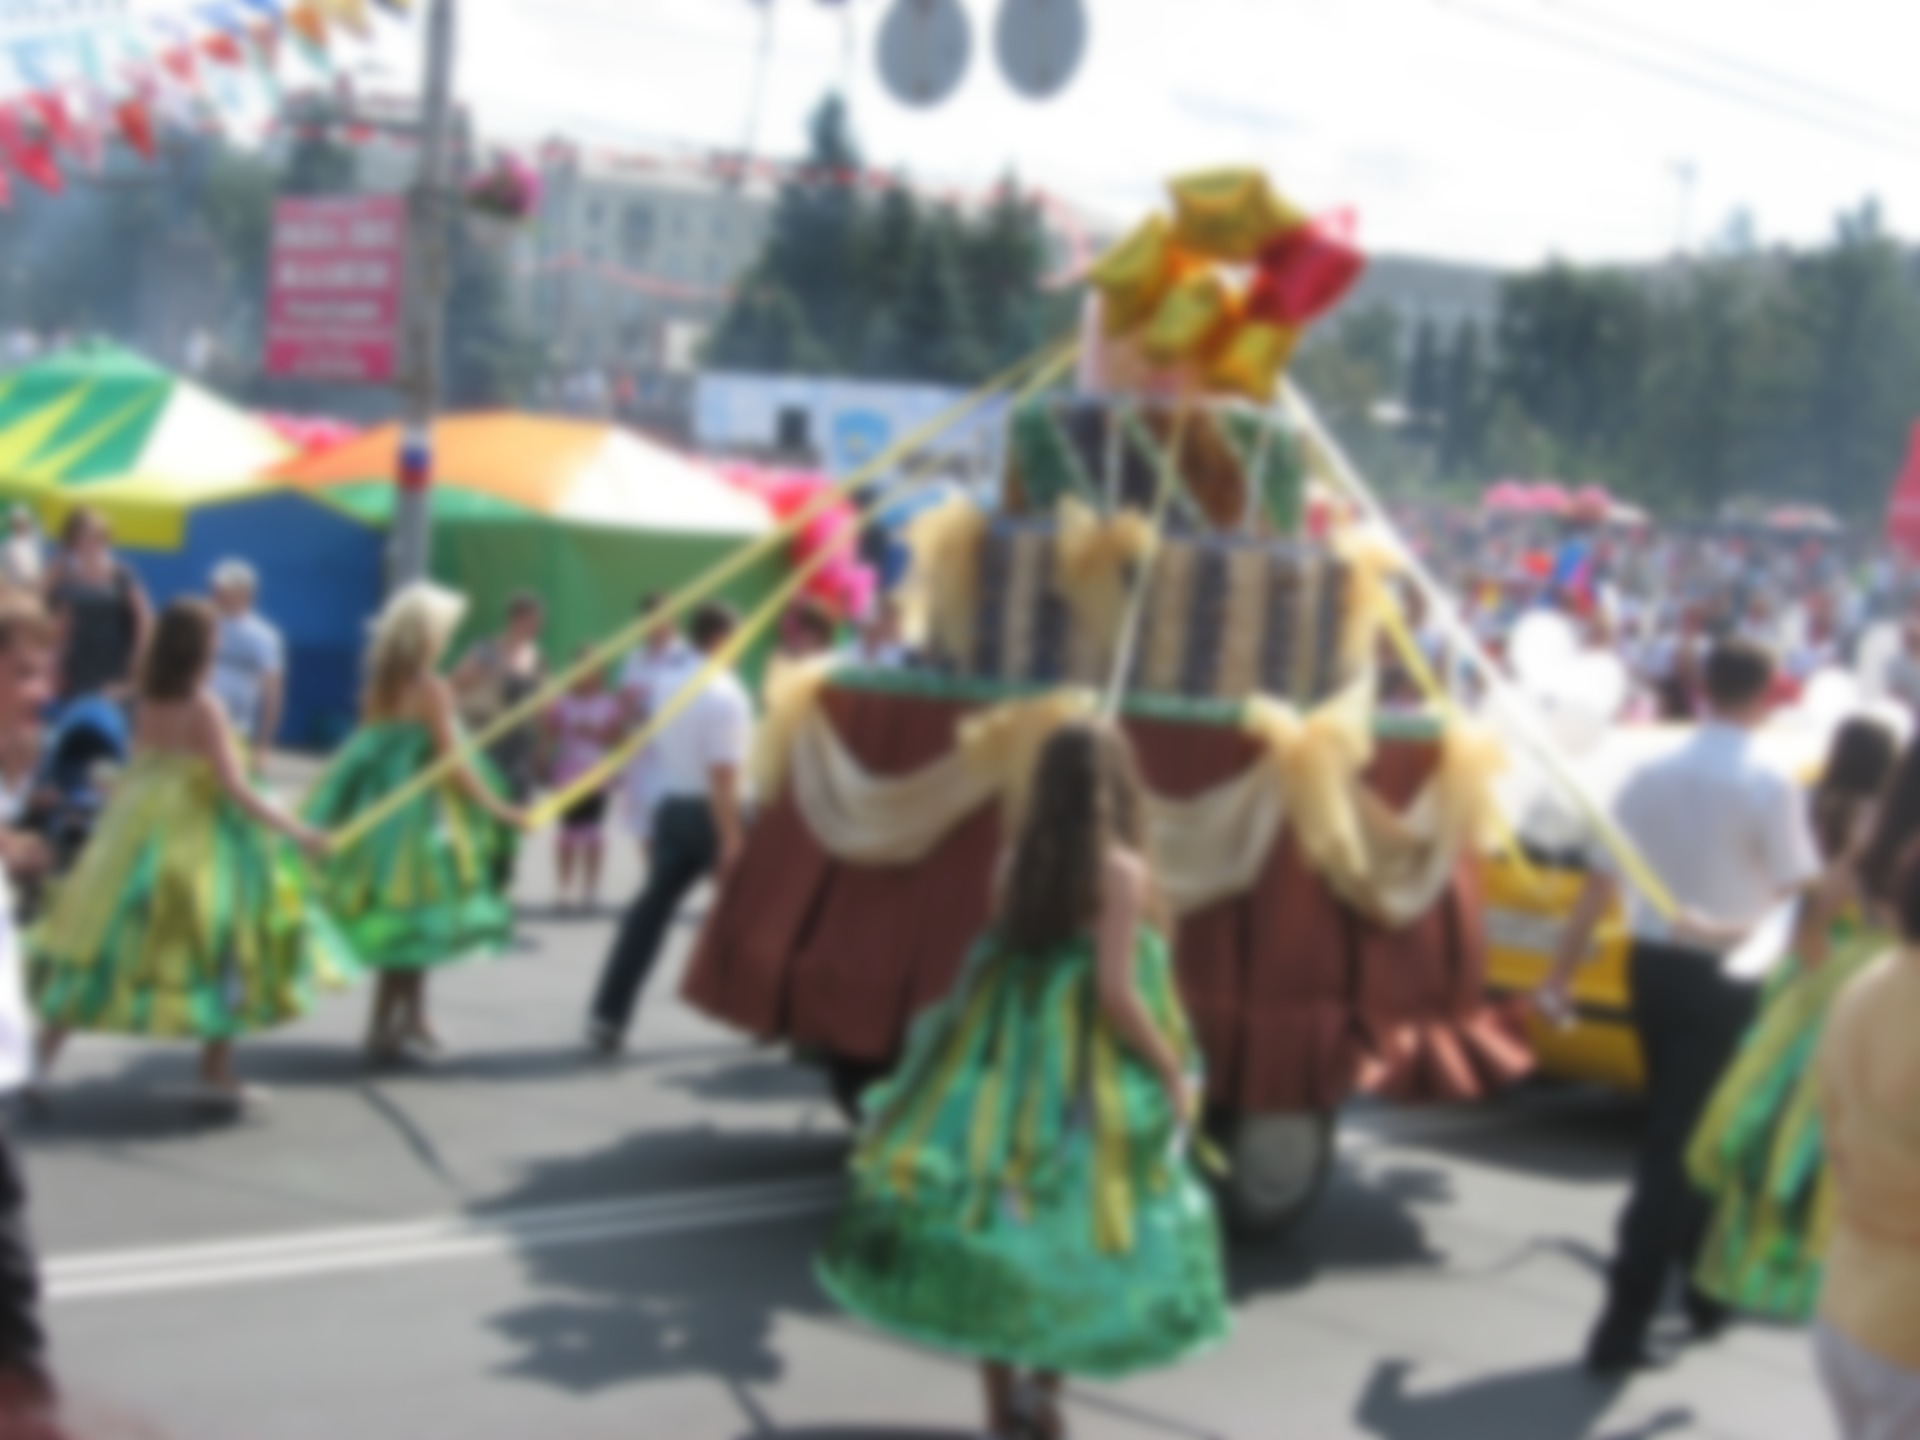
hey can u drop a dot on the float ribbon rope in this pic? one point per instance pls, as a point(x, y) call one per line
point(1033, 374)
point(725, 658)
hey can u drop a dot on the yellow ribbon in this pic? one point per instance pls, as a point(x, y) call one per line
point(723, 659)
point(1039, 370)
point(1095, 559)
point(1318, 758)
point(944, 582)
point(790, 696)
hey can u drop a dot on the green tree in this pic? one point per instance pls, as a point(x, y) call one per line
point(1572, 348)
point(1426, 378)
point(1856, 308)
point(1463, 402)
point(935, 339)
point(1698, 417)
point(765, 330)
point(814, 243)
point(1005, 255)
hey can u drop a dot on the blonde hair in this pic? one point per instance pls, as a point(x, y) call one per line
point(409, 639)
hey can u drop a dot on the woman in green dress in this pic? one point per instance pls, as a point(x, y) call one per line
point(187, 916)
point(416, 893)
point(1758, 1151)
point(1022, 1191)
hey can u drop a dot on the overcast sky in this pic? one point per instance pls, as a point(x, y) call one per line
point(1501, 130)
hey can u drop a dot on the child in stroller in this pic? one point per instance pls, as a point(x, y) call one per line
point(88, 741)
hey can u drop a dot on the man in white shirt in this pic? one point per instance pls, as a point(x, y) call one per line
point(1731, 840)
point(249, 660)
point(697, 831)
point(647, 677)
point(26, 686)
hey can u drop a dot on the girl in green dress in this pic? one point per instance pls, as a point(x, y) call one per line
point(1758, 1151)
point(1021, 1190)
point(186, 916)
point(417, 892)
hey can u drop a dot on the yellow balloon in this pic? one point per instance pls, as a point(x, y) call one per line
point(1229, 214)
point(1252, 361)
point(1191, 316)
point(1135, 275)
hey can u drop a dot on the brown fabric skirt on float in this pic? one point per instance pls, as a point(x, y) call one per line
point(1296, 1000)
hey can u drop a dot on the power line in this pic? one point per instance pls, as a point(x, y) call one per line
point(1738, 65)
point(1676, 74)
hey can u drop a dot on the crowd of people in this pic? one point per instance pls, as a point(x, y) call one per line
point(1780, 1167)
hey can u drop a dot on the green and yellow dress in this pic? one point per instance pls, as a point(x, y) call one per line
point(1021, 1192)
point(1759, 1149)
point(183, 918)
point(418, 891)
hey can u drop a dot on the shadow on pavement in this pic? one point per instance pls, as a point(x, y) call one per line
point(694, 1302)
point(1362, 1220)
point(1567, 1133)
point(760, 1079)
point(1549, 1402)
point(860, 1432)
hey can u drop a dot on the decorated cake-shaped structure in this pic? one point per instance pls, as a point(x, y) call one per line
point(1168, 467)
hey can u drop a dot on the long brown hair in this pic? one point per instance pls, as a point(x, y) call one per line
point(1895, 834)
point(1086, 799)
point(182, 649)
point(1859, 761)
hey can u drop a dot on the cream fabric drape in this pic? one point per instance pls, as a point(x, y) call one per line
point(1389, 865)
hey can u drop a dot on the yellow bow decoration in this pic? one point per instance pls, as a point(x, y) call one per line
point(791, 693)
point(1093, 558)
point(1371, 563)
point(1230, 215)
point(942, 591)
point(1472, 758)
point(1003, 744)
point(1318, 756)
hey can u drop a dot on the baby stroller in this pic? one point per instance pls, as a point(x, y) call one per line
point(88, 741)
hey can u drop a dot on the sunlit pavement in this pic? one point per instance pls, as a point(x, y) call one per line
point(522, 1242)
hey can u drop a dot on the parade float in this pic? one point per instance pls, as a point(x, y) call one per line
point(1154, 552)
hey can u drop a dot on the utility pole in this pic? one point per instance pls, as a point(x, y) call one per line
point(430, 210)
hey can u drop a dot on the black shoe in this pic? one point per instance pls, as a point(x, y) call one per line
point(1707, 1318)
point(1609, 1359)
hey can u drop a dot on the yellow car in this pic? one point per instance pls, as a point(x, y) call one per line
point(1526, 909)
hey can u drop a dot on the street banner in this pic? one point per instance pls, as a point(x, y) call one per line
point(334, 289)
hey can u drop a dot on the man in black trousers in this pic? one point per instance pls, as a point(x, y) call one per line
point(698, 758)
point(1730, 839)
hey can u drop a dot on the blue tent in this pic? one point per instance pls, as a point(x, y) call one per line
point(321, 573)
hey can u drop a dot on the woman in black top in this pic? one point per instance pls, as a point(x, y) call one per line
point(100, 610)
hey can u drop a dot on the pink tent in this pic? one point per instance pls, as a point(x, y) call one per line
point(1507, 495)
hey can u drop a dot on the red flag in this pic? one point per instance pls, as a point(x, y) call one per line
point(52, 112)
point(135, 120)
point(179, 63)
point(224, 48)
point(29, 152)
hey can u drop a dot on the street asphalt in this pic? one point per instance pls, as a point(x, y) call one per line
point(523, 1242)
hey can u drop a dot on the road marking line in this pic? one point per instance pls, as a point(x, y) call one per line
point(111, 1274)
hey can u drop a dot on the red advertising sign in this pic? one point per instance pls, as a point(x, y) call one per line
point(334, 288)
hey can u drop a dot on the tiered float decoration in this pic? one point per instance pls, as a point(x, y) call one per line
point(1148, 550)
